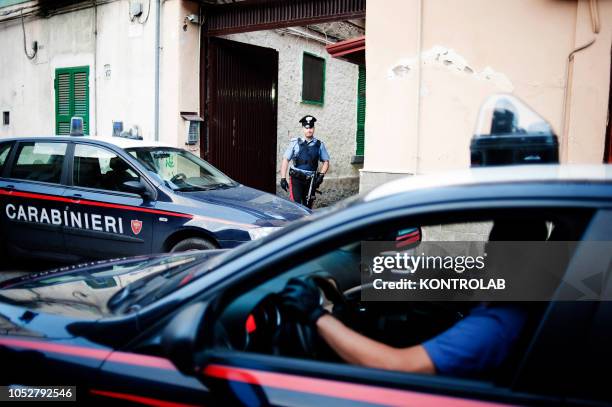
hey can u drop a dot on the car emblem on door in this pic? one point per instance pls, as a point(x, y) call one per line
point(136, 226)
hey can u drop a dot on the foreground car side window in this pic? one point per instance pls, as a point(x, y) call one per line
point(39, 161)
point(96, 167)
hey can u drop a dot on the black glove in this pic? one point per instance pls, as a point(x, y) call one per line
point(302, 297)
point(319, 179)
point(284, 184)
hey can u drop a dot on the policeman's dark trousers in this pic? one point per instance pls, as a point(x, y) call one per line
point(298, 191)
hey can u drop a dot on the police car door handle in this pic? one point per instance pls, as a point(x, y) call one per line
point(76, 197)
point(10, 187)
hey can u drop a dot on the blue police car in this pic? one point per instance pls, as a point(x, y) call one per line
point(73, 198)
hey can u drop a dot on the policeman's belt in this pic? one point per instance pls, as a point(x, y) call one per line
point(300, 175)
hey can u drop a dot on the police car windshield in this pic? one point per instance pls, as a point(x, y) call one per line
point(180, 170)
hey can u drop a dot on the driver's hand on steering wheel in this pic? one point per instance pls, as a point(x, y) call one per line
point(303, 298)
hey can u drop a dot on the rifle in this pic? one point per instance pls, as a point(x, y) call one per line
point(311, 194)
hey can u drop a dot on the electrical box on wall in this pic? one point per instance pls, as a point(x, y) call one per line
point(192, 127)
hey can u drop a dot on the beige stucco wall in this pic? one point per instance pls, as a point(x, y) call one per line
point(179, 72)
point(430, 65)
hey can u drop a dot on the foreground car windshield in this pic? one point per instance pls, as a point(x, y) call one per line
point(180, 170)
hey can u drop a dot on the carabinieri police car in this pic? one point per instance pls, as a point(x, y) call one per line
point(74, 198)
point(208, 327)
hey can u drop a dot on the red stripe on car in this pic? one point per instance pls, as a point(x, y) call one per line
point(81, 351)
point(148, 401)
point(91, 353)
point(141, 360)
point(341, 390)
point(91, 203)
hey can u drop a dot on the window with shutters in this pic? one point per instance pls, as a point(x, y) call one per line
point(71, 98)
point(361, 109)
point(313, 79)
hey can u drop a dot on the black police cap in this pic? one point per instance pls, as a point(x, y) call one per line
point(308, 121)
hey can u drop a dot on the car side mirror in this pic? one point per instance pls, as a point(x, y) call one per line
point(138, 187)
point(183, 336)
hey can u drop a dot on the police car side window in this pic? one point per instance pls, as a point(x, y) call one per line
point(96, 167)
point(39, 161)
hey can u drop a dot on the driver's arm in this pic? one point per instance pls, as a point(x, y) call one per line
point(360, 350)
point(302, 298)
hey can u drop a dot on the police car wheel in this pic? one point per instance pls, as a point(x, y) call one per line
point(193, 243)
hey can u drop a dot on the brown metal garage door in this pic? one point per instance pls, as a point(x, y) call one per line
point(241, 110)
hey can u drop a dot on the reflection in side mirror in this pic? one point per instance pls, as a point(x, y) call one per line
point(182, 336)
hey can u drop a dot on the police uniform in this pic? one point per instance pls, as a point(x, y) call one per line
point(306, 156)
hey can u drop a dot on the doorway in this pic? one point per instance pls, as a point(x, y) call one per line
point(241, 103)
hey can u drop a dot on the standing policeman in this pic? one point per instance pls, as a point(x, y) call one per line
point(306, 155)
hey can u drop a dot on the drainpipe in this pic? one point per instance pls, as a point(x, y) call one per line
point(95, 69)
point(419, 86)
point(569, 81)
point(157, 51)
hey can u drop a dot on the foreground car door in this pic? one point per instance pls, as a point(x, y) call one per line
point(251, 379)
point(147, 380)
point(32, 193)
point(103, 220)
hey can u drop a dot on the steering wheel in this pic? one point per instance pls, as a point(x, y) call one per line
point(180, 177)
point(307, 341)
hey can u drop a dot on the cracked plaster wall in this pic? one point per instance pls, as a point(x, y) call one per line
point(419, 122)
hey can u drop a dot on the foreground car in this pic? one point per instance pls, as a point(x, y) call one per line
point(191, 330)
point(75, 198)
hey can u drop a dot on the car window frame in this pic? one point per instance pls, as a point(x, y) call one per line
point(227, 283)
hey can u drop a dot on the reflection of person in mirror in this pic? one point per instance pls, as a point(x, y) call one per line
point(474, 346)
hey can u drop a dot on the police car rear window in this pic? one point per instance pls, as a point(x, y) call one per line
point(39, 161)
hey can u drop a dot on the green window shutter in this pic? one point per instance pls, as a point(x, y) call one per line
point(313, 79)
point(361, 109)
point(71, 98)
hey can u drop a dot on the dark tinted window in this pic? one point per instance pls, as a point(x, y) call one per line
point(96, 167)
point(4, 152)
point(39, 161)
point(313, 79)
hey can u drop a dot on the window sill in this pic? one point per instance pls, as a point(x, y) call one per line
point(312, 102)
point(357, 159)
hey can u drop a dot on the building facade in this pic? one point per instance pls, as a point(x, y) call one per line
point(431, 64)
point(138, 65)
point(336, 114)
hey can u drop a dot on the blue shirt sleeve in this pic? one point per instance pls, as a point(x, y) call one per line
point(290, 150)
point(478, 343)
point(323, 154)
